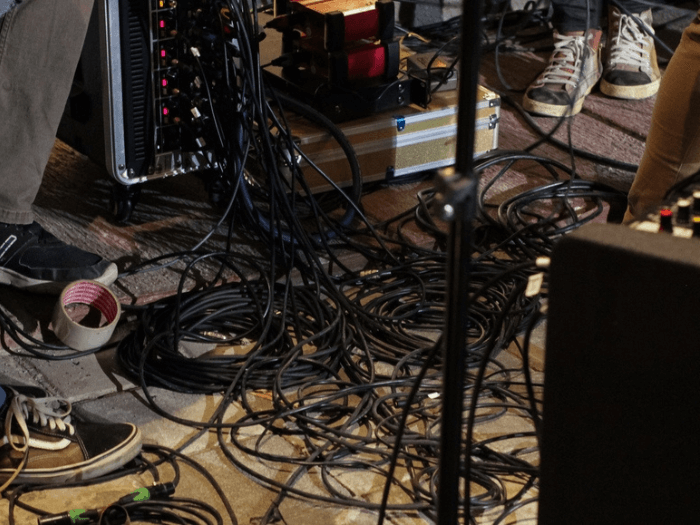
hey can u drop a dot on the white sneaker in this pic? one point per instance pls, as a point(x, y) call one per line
point(574, 69)
point(631, 70)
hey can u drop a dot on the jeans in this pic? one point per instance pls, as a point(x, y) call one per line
point(579, 15)
point(40, 45)
point(672, 150)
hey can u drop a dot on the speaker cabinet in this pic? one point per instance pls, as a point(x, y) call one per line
point(622, 371)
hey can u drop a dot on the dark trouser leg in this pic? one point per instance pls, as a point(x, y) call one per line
point(673, 144)
point(40, 45)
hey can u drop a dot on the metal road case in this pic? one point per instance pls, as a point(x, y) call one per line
point(397, 144)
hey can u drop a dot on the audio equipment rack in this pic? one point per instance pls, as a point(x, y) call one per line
point(140, 104)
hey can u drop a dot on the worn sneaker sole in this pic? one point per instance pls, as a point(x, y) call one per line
point(23, 282)
point(630, 92)
point(105, 463)
point(552, 110)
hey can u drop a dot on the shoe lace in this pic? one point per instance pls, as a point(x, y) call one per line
point(42, 412)
point(566, 62)
point(628, 44)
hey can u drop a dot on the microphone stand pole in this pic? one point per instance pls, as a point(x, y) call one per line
point(458, 192)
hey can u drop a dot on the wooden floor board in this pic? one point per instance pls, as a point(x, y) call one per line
point(174, 214)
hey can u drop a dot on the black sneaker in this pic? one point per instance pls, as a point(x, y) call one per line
point(44, 446)
point(27, 390)
point(33, 259)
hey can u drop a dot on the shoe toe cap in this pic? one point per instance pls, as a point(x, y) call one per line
point(627, 78)
point(98, 439)
point(548, 96)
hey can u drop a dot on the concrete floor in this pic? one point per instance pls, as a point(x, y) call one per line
point(166, 219)
point(99, 390)
point(170, 216)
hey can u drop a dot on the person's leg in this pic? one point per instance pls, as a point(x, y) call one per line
point(40, 45)
point(672, 149)
point(575, 65)
point(633, 6)
point(631, 70)
point(575, 15)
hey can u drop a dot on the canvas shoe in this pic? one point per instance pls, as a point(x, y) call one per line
point(574, 69)
point(33, 259)
point(42, 444)
point(27, 390)
point(631, 70)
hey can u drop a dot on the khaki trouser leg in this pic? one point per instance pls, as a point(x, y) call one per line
point(673, 144)
point(40, 45)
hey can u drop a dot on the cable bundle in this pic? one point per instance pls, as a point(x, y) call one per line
point(156, 503)
point(349, 363)
point(260, 329)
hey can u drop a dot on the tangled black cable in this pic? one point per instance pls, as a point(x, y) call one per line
point(267, 323)
point(154, 504)
point(342, 370)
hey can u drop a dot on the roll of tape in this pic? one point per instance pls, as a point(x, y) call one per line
point(93, 294)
